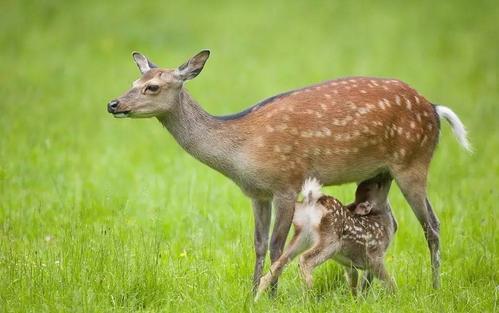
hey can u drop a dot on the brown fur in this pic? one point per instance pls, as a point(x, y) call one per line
point(340, 131)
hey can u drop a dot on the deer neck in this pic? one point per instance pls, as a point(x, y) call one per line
point(202, 135)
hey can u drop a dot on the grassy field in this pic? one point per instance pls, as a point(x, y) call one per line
point(106, 215)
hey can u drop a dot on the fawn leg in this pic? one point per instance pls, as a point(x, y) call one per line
point(352, 276)
point(294, 248)
point(367, 280)
point(314, 257)
point(377, 267)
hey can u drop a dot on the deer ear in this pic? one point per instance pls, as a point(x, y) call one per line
point(363, 208)
point(142, 62)
point(193, 67)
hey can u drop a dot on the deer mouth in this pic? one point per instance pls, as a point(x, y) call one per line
point(121, 114)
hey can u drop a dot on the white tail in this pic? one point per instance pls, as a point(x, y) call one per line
point(311, 190)
point(456, 124)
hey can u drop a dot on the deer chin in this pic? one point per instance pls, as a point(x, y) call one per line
point(121, 114)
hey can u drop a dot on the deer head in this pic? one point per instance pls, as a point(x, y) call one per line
point(158, 89)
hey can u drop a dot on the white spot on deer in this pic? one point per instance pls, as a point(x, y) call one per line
point(334, 83)
point(430, 126)
point(352, 80)
point(277, 149)
point(363, 110)
point(399, 130)
point(318, 88)
point(369, 85)
point(328, 151)
point(318, 114)
point(269, 128)
point(425, 114)
point(306, 134)
point(319, 134)
point(381, 104)
point(413, 124)
point(418, 117)
point(408, 104)
point(317, 151)
point(356, 122)
point(374, 82)
point(269, 115)
point(417, 99)
point(259, 141)
point(407, 135)
point(392, 132)
point(323, 106)
point(327, 96)
point(424, 140)
point(344, 82)
point(326, 131)
point(385, 87)
point(370, 106)
point(397, 100)
point(281, 127)
point(363, 91)
point(335, 91)
point(402, 152)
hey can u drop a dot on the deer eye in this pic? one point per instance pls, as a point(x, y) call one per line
point(152, 88)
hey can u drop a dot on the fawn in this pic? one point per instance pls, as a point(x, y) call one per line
point(357, 236)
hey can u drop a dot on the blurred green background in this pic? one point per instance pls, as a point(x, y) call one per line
point(99, 214)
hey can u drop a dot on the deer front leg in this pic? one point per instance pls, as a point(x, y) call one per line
point(284, 204)
point(261, 211)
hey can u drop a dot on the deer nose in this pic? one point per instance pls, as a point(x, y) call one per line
point(112, 105)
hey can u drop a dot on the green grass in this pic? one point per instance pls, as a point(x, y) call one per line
point(106, 215)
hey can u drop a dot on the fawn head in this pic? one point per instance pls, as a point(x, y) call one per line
point(372, 193)
point(158, 89)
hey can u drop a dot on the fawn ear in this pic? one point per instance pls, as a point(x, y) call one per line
point(142, 62)
point(193, 67)
point(363, 208)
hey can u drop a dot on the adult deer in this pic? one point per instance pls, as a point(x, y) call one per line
point(339, 131)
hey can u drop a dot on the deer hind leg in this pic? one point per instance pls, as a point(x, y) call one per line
point(377, 268)
point(261, 211)
point(284, 205)
point(315, 257)
point(352, 276)
point(412, 183)
point(296, 246)
point(367, 280)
